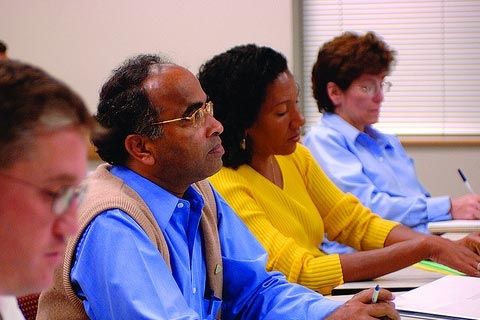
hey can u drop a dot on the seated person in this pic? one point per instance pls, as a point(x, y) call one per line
point(43, 161)
point(349, 85)
point(155, 240)
point(277, 188)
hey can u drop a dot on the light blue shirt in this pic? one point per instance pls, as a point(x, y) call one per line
point(121, 274)
point(375, 168)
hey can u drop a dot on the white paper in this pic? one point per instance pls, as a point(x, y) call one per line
point(452, 296)
point(454, 226)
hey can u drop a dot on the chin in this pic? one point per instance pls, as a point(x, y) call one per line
point(45, 281)
point(374, 119)
point(215, 170)
point(291, 149)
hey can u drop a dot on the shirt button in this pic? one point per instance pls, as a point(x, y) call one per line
point(194, 290)
point(180, 205)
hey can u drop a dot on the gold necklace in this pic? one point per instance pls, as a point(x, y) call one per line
point(273, 171)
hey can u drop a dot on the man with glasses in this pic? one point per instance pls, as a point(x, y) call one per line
point(43, 160)
point(348, 81)
point(156, 241)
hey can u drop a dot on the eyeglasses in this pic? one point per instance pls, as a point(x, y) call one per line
point(61, 200)
point(372, 89)
point(196, 118)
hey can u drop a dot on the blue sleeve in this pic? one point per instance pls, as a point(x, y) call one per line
point(414, 210)
point(250, 292)
point(115, 248)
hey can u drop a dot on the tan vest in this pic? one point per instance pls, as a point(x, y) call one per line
point(105, 191)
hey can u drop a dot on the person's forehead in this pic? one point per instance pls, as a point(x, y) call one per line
point(172, 83)
point(46, 159)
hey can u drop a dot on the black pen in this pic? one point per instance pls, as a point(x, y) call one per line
point(465, 181)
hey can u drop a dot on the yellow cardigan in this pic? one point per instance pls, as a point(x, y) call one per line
point(291, 223)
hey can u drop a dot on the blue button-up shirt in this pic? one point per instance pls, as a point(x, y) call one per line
point(120, 273)
point(374, 167)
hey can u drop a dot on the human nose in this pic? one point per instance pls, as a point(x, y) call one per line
point(298, 118)
point(67, 223)
point(381, 90)
point(214, 125)
point(379, 96)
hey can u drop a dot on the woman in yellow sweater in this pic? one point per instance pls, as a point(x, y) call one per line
point(285, 198)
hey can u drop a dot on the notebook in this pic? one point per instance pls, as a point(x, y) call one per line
point(450, 297)
point(462, 226)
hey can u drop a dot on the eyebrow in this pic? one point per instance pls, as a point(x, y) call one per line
point(192, 107)
point(63, 178)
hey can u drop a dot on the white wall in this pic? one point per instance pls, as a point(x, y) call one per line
point(437, 168)
point(80, 42)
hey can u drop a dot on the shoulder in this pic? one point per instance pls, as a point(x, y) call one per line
point(302, 153)
point(323, 135)
point(321, 129)
point(231, 176)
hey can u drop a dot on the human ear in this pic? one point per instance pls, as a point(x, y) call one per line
point(334, 93)
point(140, 149)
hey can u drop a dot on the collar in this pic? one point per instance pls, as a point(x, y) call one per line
point(161, 202)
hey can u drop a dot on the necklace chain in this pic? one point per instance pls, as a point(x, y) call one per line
point(273, 170)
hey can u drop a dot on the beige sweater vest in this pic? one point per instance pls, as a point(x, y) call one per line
point(105, 191)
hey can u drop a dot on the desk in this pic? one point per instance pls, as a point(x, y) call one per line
point(398, 281)
point(347, 297)
point(402, 280)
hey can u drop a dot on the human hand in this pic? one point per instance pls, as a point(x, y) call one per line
point(462, 255)
point(466, 207)
point(359, 307)
point(471, 241)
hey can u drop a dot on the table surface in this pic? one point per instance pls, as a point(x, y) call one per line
point(401, 280)
point(397, 282)
point(347, 297)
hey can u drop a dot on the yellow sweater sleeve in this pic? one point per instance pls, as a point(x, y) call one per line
point(290, 222)
point(346, 220)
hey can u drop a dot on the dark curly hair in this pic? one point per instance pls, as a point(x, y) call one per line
point(236, 82)
point(344, 59)
point(124, 108)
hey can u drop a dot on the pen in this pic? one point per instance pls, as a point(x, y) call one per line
point(465, 181)
point(376, 291)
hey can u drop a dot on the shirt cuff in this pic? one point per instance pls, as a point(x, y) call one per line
point(438, 208)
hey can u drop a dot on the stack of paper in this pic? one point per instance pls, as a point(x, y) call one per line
point(450, 297)
point(463, 226)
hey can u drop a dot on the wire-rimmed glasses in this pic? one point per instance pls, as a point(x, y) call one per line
point(195, 118)
point(371, 89)
point(61, 200)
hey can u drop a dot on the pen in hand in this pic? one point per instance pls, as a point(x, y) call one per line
point(465, 181)
point(376, 291)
